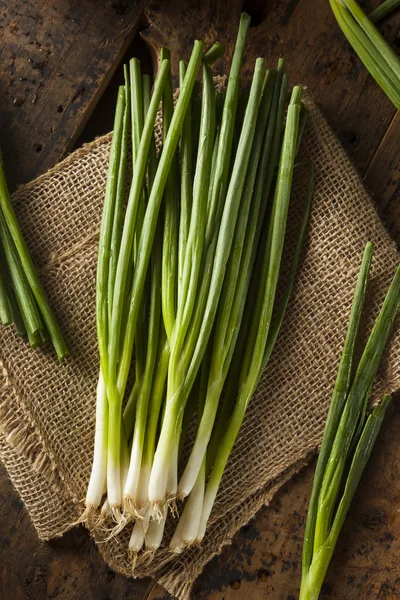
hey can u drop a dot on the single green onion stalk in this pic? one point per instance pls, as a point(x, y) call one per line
point(348, 436)
point(97, 484)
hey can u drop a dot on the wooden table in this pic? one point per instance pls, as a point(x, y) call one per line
point(57, 89)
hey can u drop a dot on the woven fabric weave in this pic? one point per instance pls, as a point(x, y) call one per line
point(47, 410)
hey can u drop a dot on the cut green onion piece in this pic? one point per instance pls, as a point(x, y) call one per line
point(214, 53)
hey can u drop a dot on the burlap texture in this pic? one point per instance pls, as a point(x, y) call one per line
point(47, 411)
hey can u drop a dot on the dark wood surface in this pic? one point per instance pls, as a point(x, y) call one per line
point(89, 40)
point(56, 59)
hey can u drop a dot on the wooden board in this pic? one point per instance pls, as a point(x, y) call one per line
point(264, 558)
point(56, 59)
point(70, 568)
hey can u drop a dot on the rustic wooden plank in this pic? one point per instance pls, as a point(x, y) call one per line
point(56, 58)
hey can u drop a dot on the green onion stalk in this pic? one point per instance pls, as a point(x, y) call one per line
point(383, 10)
point(6, 317)
point(372, 48)
point(97, 484)
point(186, 191)
point(23, 293)
point(348, 436)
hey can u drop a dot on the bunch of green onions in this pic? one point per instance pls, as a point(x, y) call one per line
point(349, 435)
point(372, 48)
point(188, 271)
point(23, 301)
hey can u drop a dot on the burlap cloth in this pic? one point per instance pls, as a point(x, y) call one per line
point(47, 410)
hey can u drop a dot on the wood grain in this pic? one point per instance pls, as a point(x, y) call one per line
point(56, 59)
point(264, 558)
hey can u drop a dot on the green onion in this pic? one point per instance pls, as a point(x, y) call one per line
point(376, 54)
point(25, 298)
point(340, 392)
point(135, 486)
point(171, 225)
point(99, 468)
point(5, 308)
point(10, 310)
point(186, 183)
point(347, 437)
point(6, 316)
point(383, 10)
point(118, 188)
